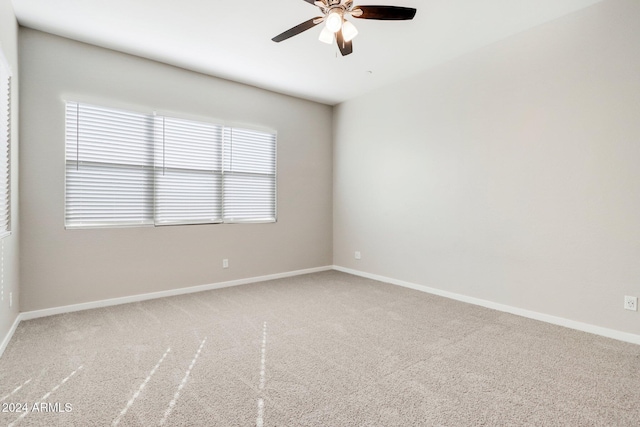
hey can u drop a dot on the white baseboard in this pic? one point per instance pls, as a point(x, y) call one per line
point(580, 326)
point(7, 338)
point(585, 327)
point(143, 297)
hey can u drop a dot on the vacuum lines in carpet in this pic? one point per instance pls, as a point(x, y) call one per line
point(324, 349)
point(42, 406)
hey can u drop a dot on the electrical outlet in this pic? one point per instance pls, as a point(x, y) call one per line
point(358, 255)
point(631, 303)
point(10, 299)
point(225, 263)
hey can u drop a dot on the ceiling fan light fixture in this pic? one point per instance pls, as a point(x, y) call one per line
point(337, 28)
point(326, 36)
point(334, 21)
point(349, 31)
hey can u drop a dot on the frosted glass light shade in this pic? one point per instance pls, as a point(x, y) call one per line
point(334, 21)
point(349, 31)
point(326, 36)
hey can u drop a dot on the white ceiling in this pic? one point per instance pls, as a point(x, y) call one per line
point(232, 39)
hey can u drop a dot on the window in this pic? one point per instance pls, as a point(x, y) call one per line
point(5, 147)
point(188, 172)
point(249, 175)
point(127, 169)
point(109, 167)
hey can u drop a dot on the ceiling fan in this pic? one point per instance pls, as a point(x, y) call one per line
point(334, 14)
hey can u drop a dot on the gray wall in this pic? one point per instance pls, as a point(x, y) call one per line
point(9, 43)
point(511, 174)
point(61, 267)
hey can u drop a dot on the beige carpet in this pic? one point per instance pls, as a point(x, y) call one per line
point(326, 349)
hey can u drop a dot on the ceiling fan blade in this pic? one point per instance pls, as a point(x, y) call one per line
point(297, 29)
point(345, 47)
point(311, 1)
point(386, 13)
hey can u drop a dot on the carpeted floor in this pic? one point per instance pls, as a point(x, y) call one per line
point(326, 349)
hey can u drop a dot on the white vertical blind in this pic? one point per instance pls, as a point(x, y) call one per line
point(109, 167)
point(188, 172)
point(249, 175)
point(125, 168)
point(5, 146)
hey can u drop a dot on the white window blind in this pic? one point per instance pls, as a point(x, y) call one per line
point(126, 168)
point(188, 172)
point(109, 167)
point(5, 146)
point(249, 175)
